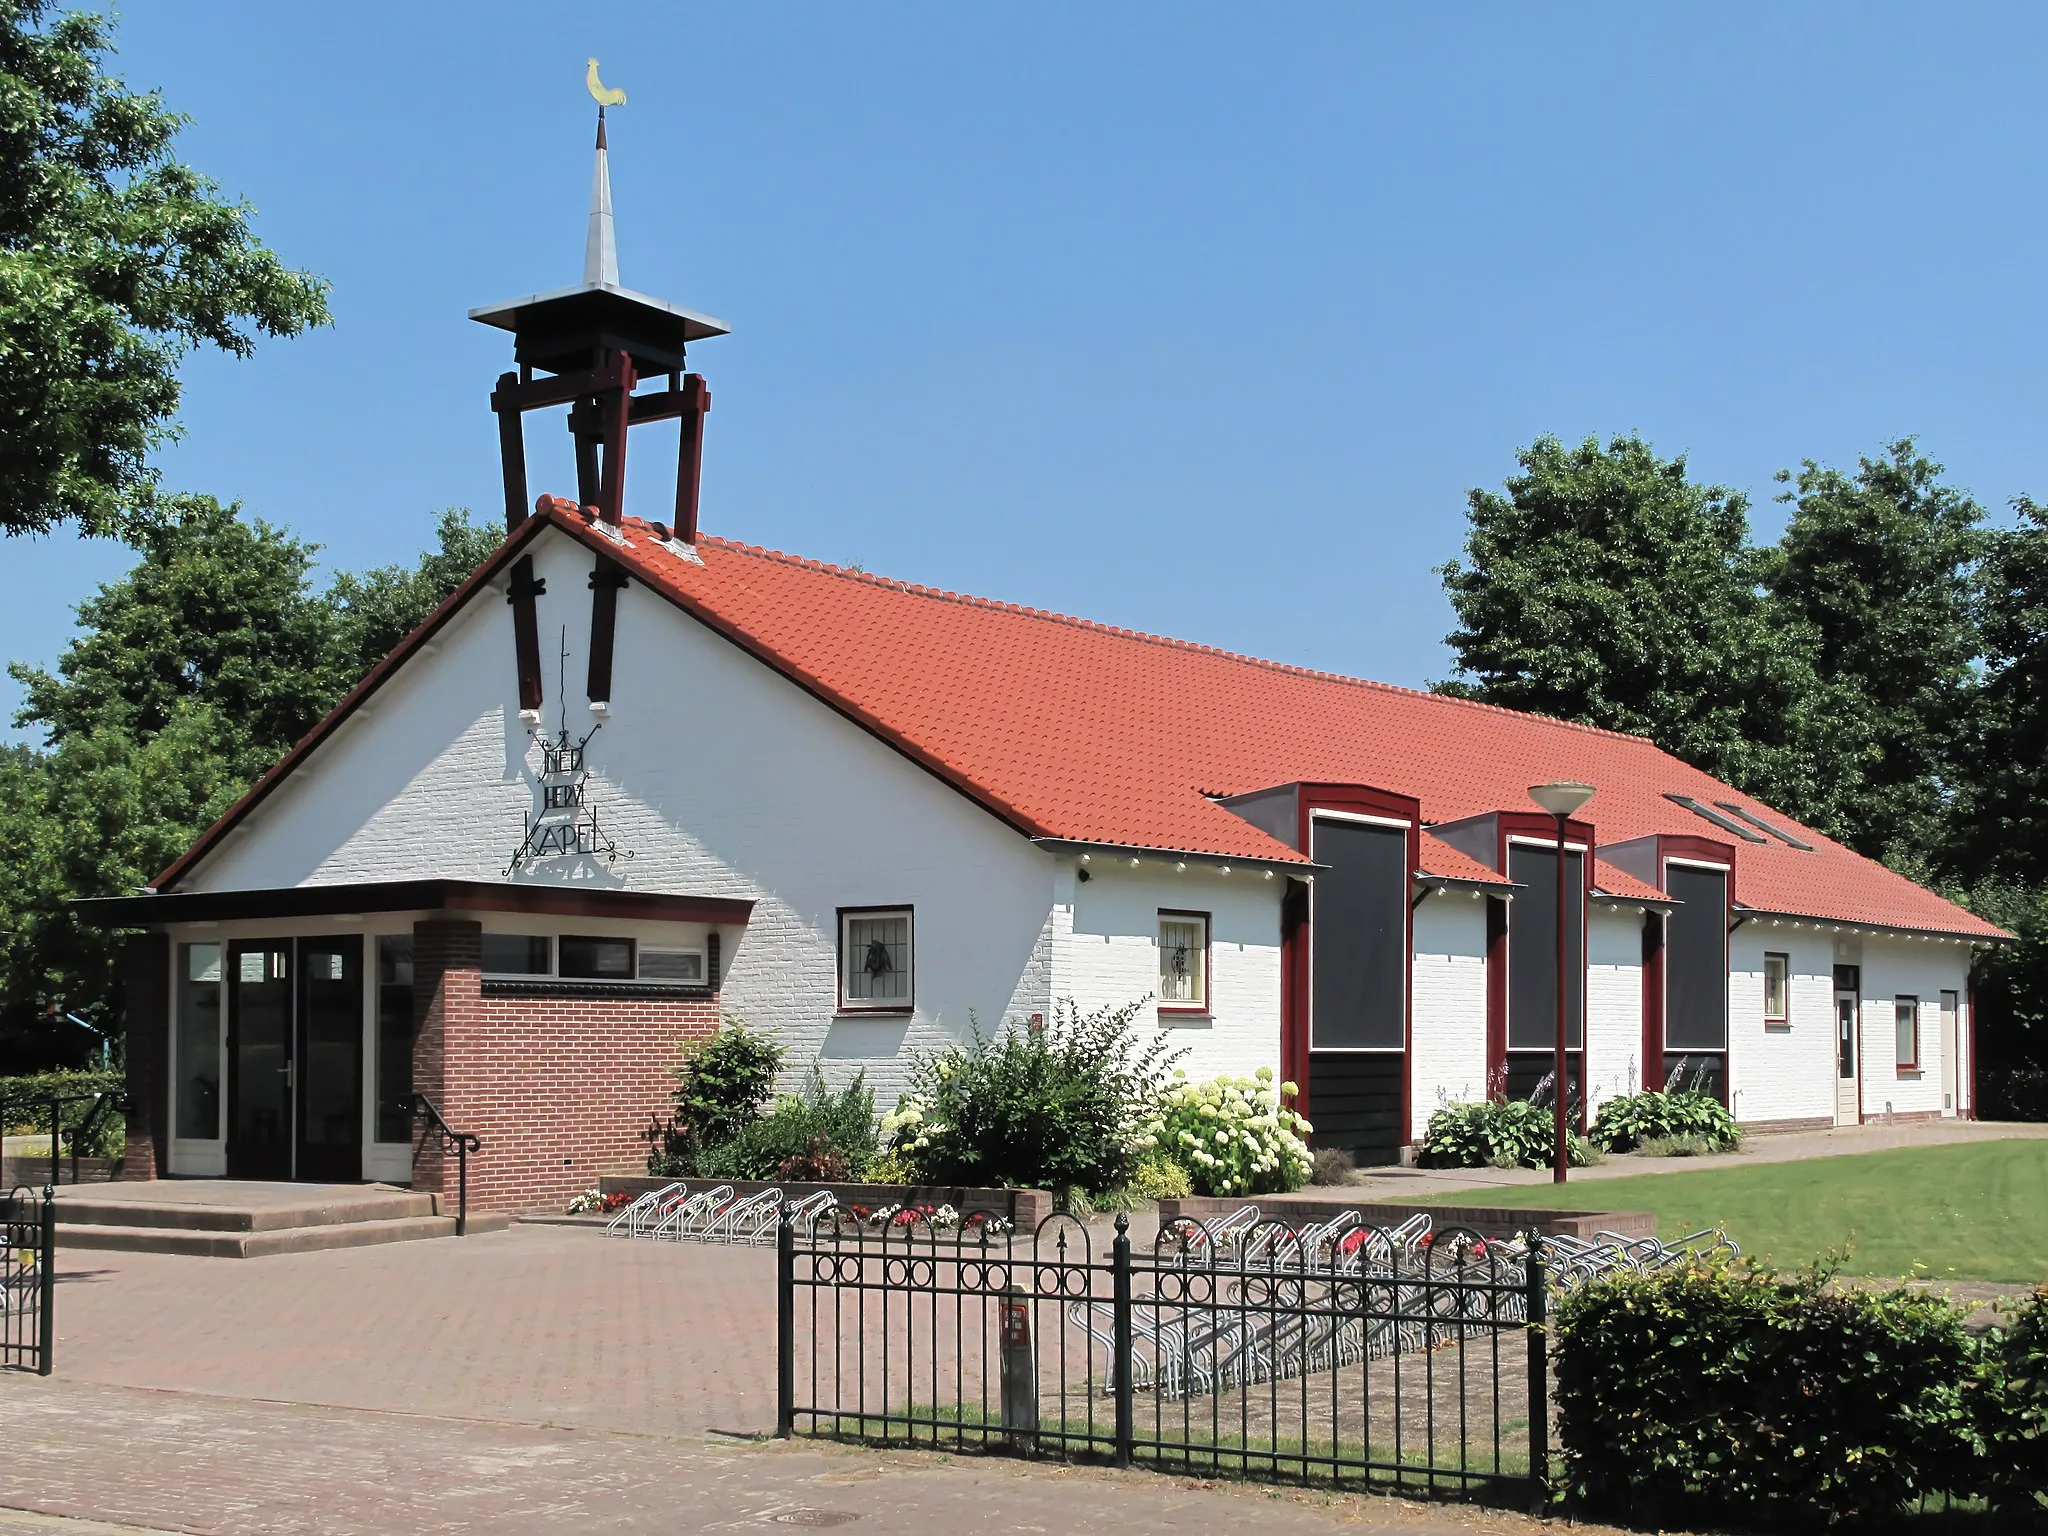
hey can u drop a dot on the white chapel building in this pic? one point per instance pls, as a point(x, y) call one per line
point(866, 815)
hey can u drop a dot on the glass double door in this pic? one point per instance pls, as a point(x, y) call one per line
point(295, 1059)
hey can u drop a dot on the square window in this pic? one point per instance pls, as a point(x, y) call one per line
point(1906, 1012)
point(1184, 962)
point(515, 954)
point(677, 967)
point(589, 959)
point(1777, 989)
point(876, 960)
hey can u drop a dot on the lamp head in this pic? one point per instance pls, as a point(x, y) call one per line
point(1561, 799)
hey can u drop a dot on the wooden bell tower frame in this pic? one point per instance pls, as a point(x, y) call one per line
point(588, 348)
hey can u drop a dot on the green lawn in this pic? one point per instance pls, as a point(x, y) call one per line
point(1974, 1211)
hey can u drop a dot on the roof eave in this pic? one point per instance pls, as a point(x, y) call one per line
point(1892, 929)
point(1295, 865)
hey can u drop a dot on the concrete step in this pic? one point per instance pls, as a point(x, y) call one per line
point(216, 1243)
point(111, 1206)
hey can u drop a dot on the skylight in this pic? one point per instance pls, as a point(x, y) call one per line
point(1764, 826)
point(1725, 823)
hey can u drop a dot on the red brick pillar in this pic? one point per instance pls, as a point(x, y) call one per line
point(447, 988)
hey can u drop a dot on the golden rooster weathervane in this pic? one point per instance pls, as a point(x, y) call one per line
point(604, 95)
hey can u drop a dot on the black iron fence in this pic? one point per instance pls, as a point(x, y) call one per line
point(1351, 1356)
point(28, 1272)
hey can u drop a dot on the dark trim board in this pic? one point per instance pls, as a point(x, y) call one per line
point(1357, 1096)
point(406, 896)
point(555, 986)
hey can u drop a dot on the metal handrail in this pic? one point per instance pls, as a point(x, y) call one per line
point(101, 1101)
point(464, 1143)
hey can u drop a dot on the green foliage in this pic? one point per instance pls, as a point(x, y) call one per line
point(377, 609)
point(1497, 1133)
point(1723, 1393)
point(25, 1109)
point(189, 676)
point(1236, 1135)
point(2001, 823)
point(816, 1135)
point(721, 1086)
point(1625, 1123)
point(2014, 1412)
point(1072, 1105)
point(1157, 1177)
point(888, 1168)
point(1880, 674)
point(1606, 587)
point(115, 261)
point(1872, 582)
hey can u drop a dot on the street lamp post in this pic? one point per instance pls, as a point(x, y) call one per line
point(1561, 801)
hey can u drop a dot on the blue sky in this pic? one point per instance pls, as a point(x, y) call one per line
point(1194, 318)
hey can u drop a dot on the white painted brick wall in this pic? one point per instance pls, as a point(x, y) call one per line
point(1112, 956)
point(723, 779)
point(1782, 1073)
point(1614, 1003)
point(1449, 1003)
point(1922, 968)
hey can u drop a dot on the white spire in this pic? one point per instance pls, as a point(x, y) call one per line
point(600, 247)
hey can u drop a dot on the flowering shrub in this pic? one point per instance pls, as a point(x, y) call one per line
point(1496, 1133)
point(1236, 1135)
point(1683, 1117)
point(940, 1218)
point(1073, 1104)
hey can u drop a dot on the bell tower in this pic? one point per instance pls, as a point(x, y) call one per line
point(589, 347)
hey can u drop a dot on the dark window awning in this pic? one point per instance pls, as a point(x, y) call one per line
point(407, 896)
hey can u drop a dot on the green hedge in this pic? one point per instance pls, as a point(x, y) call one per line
point(1721, 1393)
point(25, 1107)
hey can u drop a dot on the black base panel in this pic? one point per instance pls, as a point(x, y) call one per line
point(1528, 1068)
point(1705, 1071)
point(1354, 1102)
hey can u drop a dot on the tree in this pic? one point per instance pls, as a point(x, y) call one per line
point(2001, 819)
point(1606, 587)
point(115, 261)
point(189, 677)
point(1873, 581)
point(218, 611)
point(1998, 840)
point(381, 607)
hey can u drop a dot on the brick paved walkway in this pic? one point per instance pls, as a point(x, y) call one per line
point(542, 1325)
point(146, 1460)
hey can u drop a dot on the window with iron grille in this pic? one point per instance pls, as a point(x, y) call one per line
point(1184, 962)
point(876, 962)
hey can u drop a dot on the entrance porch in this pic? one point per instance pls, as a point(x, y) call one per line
point(239, 1219)
point(282, 1036)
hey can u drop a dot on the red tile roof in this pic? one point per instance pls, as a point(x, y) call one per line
point(1439, 858)
point(1087, 732)
point(1074, 730)
point(1615, 882)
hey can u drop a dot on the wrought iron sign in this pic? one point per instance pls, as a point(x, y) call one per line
point(564, 824)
